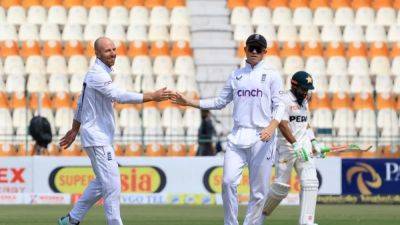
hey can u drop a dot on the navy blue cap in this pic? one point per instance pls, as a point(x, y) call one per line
point(256, 40)
point(303, 79)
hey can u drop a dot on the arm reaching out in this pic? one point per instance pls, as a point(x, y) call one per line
point(106, 87)
point(158, 96)
point(225, 96)
point(180, 99)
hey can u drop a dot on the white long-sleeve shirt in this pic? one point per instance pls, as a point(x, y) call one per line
point(256, 95)
point(95, 112)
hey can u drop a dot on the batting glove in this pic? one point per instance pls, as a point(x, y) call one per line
point(300, 153)
point(320, 149)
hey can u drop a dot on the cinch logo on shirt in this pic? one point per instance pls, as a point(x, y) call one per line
point(298, 118)
point(250, 93)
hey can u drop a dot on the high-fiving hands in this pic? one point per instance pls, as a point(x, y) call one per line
point(174, 96)
point(161, 94)
point(178, 99)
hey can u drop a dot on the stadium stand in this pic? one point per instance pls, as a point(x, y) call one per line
point(47, 45)
point(351, 47)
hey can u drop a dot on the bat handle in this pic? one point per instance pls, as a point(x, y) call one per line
point(325, 150)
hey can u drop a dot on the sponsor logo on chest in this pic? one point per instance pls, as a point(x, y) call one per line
point(249, 93)
point(250, 86)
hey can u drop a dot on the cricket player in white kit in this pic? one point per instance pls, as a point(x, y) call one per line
point(256, 94)
point(294, 150)
point(95, 120)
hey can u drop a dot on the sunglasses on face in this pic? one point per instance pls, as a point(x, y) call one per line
point(256, 49)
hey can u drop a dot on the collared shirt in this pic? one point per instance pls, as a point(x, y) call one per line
point(95, 106)
point(256, 95)
point(298, 118)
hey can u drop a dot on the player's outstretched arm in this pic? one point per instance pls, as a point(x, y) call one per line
point(225, 97)
point(180, 99)
point(111, 91)
point(158, 96)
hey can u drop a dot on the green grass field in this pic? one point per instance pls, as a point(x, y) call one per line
point(203, 215)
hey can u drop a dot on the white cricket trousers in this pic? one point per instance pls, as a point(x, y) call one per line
point(107, 184)
point(259, 159)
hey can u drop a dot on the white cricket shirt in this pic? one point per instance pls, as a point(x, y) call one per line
point(256, 95)
point(298, 118)
point(95, 112)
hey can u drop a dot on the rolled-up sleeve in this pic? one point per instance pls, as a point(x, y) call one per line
point(109, 89)
point(225, 97)
point(278, 106)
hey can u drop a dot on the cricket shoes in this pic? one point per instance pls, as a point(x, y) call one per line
point(66, 220)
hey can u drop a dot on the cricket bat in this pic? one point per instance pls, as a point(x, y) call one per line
point(347, 148)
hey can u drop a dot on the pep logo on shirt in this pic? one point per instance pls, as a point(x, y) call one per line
point(250, 93)
point(298, 118)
